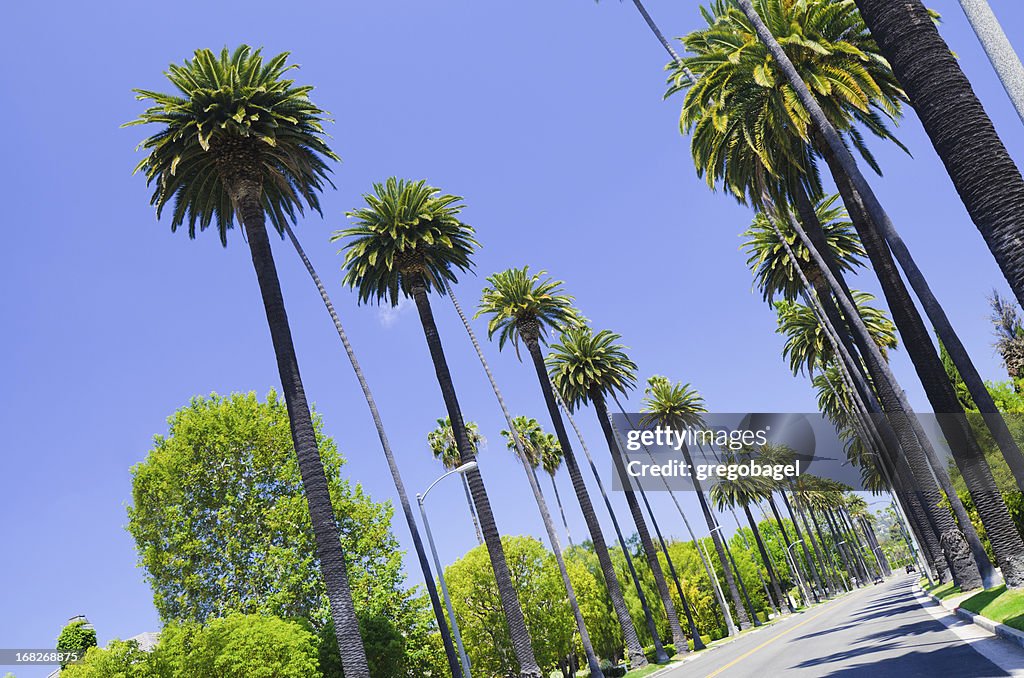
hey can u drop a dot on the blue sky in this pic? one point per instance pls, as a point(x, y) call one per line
point(546, 115)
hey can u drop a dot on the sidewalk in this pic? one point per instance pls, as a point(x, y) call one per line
point(952, 605)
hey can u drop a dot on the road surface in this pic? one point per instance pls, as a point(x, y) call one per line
point(881, 631)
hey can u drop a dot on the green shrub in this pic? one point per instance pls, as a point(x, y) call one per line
point(610, 670)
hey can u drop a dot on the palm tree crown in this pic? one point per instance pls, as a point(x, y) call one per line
point(407, 232)
point(524, 306)
point(584, 363)
point(745, 118)
point(235, 119)
point(807, 344)
point(442, 442)
point(676, 405)
point(773, 269)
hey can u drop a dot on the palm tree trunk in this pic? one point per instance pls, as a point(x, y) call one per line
point(518, 632)
point(803, 542)
point(1003, 536)
point(634, 651)
point(818, 555)
point(698, 644)
point(549, 526)
point(561, 510)
point(660, 654)
point(678, 637)
point(792, 554)
point(708, 569)
point(773, 577)
point(904, 425)
point(472, 511)
point(657, 31)
point(999, 49)
point(314, 482)
point(831, 556)
point(730, 581)
point(389, 455)
point(985, 176)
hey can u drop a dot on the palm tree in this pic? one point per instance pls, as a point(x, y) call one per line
point(1009, 331)
point(241, 141)
point(586, 367)
point(408, 241)
point(524, 308)
point(678, 407)
point(389, 455)
point(982, 170)
point(879, 89)
point(999, 49)
point(742, 492)
point(542, 450)
point(442, 443)
point(529, 451)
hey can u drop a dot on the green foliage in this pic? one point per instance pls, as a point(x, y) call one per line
point(78, 636)
point(541, 449)
point(584, 364)
point(807, 344)
point(767, 258)
point(235, 118)
point(120, 659)
point(408, 232)
point(442, 442)
point(676, 405)
point(746, 120)
point(538, 582)
point(221, 523)
point(524, 306)
point(236, 646)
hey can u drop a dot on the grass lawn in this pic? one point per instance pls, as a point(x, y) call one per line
point(942, 591)
point(998, 604)
point(649, 669)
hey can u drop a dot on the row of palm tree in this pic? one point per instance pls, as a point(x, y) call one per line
point(242, 142)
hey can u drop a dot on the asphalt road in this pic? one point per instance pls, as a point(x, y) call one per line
point(881, 631)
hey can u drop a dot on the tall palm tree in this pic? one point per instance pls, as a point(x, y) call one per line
point(985, 176)
point(445, 448)
point(678, 407)
point(743, 492)
point(389, 455)
point(524, 308)
point(529, 453)
point(661, 656)
point(241, 141)
point(1000, 51)
point(586, 367)
point(1005, 540)
point(542, 449)
point(407, 241)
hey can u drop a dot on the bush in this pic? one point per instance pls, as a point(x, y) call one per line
point(670, 650)
point(610, 670)
point(706, 639)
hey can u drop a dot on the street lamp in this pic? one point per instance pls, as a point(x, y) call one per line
point(716, 583)
point(437, 563)
point(792, 561)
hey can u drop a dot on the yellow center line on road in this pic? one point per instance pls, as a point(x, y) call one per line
point(743, 656)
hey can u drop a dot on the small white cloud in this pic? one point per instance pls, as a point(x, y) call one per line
point(389, 315)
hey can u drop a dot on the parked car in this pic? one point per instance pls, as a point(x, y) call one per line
point(911, 568)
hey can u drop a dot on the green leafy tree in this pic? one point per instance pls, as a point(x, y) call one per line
point(221, 524)
point(240, 140)
point(119, 659)
point(539, 584)
point(77, 636)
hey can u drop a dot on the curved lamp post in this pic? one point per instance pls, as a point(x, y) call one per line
point(437, 563)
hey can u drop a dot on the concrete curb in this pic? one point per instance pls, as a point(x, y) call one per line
point(1002, 630)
